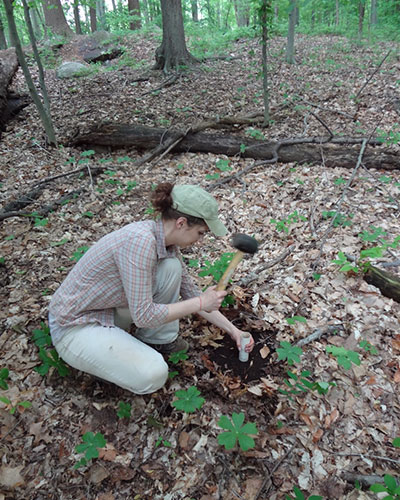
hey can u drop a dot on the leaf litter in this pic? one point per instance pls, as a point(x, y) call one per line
point(308, 440)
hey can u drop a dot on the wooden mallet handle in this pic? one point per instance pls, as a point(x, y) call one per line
point(243, 244)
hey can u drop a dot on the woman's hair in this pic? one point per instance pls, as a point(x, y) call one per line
point(162, 202)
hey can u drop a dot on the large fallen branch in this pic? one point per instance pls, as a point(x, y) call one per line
point(336, 152)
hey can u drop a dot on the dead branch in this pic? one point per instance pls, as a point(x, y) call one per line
point(318, 333)
point(374, 73)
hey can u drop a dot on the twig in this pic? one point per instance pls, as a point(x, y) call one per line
point(361, 455)
point(318, 333)
point(370, 78)
point(323, 124)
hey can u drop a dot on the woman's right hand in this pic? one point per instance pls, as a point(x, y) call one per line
point(211, 299)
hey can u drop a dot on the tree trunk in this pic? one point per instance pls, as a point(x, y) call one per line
point(242, 12)
point(265, 13)
point(374, 12)
point(172, 52)
point(93, 19)
point(361, 13)
point(337, 13)
point(101, 14)
point(291, 29)
point(134, 11)
point(77, 19)
point(8, 68)
point(195, 11)
point(44, 116)
point(3, 41)
point(55, 18)
point(339, 152)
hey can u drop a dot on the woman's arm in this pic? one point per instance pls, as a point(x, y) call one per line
point(210, 300)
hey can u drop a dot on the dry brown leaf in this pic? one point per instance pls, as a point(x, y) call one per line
point(396, 342)
point(10, 477)
point(330, 419)
point(317, 435)
point(184, 440)
point(97, 474)
point(264, 351)
point(106, 496)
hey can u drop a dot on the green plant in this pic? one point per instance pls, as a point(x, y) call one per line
point(300, 495)
point(89, 447)
point(391, 487)
point(17, 406)
point(236, 432)
point(255, 134)
point(293, 319)
point(338, 218)
point(188, 401)
point(368, 347)
point(396, 442)
point(124, 410)
point(216, 270)
point(78, 254)
point(301, 383)
point(288, 352)
point(344, 357)
point(4, 373)
point(283, 225)
point(41, 336)
point(177, 357)
point(164, 442)
point(50, 359)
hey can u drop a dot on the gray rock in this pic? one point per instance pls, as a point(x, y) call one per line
point(70, 69)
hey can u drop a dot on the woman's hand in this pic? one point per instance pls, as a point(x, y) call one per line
point(236, 335)
point(211, 300)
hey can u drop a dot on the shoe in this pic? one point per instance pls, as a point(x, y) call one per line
point(177, 345)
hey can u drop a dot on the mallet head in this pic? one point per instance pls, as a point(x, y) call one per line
point(245, 243)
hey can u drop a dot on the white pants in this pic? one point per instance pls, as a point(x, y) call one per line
point(112, 354)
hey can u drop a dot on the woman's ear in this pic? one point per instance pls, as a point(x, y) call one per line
point(181, 222)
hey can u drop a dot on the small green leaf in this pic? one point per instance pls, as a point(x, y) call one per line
point(188, 401)
point(396, 442)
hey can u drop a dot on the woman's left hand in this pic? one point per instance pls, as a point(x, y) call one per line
point(236, 335)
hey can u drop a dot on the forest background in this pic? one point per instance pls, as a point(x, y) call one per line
point(315, 412)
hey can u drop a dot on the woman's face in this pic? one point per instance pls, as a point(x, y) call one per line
point(188, 235)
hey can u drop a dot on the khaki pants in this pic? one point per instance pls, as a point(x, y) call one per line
point(111, 353)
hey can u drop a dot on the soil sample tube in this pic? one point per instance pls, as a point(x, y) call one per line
point(244, 340)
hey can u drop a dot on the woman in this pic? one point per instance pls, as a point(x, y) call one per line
point(135, 275)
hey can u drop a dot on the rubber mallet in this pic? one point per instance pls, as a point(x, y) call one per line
point(243, 244)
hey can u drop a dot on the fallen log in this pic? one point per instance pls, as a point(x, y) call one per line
point(388, 283)
point(333, 152)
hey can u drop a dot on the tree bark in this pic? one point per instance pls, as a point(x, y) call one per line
point(77, 19)
point(55, 18)
point(8, 68)
point(291, 30)
point(336, 152)
point(134, 10)
point(388, 283)
point(3, 41)
point(172, 52)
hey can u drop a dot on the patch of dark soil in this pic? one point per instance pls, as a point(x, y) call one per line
point(258, 365)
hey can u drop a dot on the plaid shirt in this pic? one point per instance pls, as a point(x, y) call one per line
point(119, 271)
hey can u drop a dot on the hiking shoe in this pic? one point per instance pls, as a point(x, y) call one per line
point(178, 344)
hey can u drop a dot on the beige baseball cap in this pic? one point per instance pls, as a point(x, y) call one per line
point(195, 201)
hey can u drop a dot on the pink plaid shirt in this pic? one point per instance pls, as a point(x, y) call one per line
point(119, 271)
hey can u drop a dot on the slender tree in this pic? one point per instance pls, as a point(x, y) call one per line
point(77, 17)
point(242, 12)
point(265, 14)
point(93, 18)
point(55, 18)
point(195, 11)
point(44, 115)
point(134, 11)
point(291, 30)
point(172, 52)
point(361, 14)
point(374, 12)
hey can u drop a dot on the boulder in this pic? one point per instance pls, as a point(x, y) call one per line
point(71, 69)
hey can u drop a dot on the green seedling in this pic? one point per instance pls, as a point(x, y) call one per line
point(164, 442)
point(20, 405)
point(178, 356)
point(396, 442)
point(59, 243)
point(4, 373)
point(294, 319)
point(339, 180)
point(124, 410)
point(284, 224)
point(301, 383)
point(51, 359)
point(368, 347)
point(344, 356)
point(88, 214)
point(188, 401)
point(338, 218)
point(288, 352)
point(236, 432)
point(78, 254)
point(89, 447)
point(223, 165)
point(300, 496)
point(345, 264)
point(390, 487)
point(41, 336)
point(255, 134)
point(2, 261)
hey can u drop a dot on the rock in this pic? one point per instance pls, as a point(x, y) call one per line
point(70, 69)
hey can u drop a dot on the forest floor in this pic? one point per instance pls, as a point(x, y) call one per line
point(321, 443)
